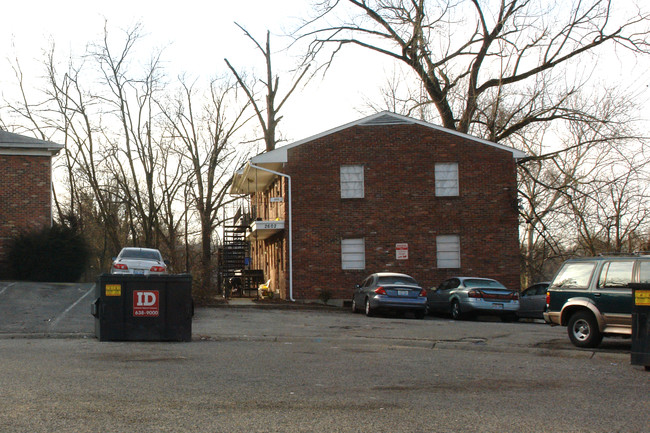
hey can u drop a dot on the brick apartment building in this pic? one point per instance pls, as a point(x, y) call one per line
point(383, 193)
point(25, 186)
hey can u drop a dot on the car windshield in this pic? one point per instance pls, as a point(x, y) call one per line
point(140, 254)
point(397, 279)
point(491, 284)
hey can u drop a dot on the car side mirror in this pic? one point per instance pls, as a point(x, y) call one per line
point(113, 258)
point(167, 262)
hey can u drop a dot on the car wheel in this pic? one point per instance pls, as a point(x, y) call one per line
point(369, 311)
point(583, 330)
point(455, 310)
point(507, 318)
point(354, 306)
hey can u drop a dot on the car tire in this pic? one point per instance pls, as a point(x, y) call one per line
point(420, 314)
point(355, 309)
point(583, 330)
point(456, 314)
point(369, 311)
point(508, 318)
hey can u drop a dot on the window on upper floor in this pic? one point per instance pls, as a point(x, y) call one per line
point(446, 176)
point(448, 251)
point(352, 181)
point(353, 254)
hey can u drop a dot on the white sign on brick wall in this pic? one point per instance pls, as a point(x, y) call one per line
point(402, 251)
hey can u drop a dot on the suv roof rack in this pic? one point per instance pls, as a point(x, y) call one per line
point(624, 254)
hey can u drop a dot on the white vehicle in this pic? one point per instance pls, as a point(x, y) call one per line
point(139, 261)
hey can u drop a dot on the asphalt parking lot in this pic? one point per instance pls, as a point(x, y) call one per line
point(271, 369)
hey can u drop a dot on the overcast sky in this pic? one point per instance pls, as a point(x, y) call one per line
point(197, 36)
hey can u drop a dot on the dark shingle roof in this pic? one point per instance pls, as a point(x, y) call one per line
point(17, 143)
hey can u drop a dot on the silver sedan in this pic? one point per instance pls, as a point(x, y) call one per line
point(139, 261)
point(469, 296)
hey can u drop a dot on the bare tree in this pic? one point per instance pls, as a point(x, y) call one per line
point(204, 138)
point(271, 84)
point(585, 194)
point(171, 182)
point(136, 155)
point(478, 59)
point(120, 173)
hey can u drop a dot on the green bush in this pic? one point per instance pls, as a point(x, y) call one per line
point(324, 296)
point(54, 254)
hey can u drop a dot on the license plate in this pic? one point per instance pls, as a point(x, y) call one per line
point(138, 272)
point(402, 293)
point(498, 306)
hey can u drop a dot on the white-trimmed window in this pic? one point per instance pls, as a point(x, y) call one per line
point(352, 181)
point(448, 251)
point(446, 174)
point(353, 254)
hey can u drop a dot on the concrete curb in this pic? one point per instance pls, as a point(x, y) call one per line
point(378, 342)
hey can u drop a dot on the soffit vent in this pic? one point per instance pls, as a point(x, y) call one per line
point(386, 119)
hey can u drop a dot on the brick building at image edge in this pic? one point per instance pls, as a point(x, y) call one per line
point(25, 187)
point(383, 193)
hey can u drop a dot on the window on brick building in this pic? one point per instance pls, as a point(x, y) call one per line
point(446, 179)
point(353, 254)
point(448, 251)
point(352, 181)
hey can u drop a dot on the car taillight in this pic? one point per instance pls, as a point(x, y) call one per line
point(548, 298)
point(120, 266)
point(475, 293)
point(380, 291)
point(157, 269)
point(423, 293)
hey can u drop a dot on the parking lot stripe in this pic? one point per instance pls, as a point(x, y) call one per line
point(5, 288)
point(56, 321)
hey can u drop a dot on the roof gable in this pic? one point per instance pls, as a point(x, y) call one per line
point(383, 118)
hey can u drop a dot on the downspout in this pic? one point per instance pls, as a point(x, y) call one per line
point(290, 242)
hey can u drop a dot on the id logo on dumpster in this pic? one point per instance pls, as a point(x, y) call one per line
point(146, 303)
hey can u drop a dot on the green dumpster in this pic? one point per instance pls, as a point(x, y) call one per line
point(641, 325)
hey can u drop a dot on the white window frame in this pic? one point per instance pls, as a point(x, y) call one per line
point(448, 251)
point(352, 181)
point(446, 177)
point(353, 254)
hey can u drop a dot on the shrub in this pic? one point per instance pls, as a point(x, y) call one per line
point(324, 296)
point(55, 254)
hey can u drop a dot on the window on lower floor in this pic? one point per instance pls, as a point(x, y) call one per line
point(448, 251)
point(353, 254)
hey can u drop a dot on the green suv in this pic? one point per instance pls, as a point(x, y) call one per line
point(592, 297)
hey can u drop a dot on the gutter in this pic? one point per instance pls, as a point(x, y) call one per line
point(290, 234)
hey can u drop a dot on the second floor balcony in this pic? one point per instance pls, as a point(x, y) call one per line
point(260, 230)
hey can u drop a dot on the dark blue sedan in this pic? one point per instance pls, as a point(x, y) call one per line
point(387, 291)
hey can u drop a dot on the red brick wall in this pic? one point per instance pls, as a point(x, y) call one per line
point(400, 206)
point(25, 197)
